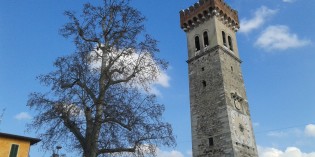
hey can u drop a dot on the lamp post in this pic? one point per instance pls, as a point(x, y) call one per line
point(56, 154)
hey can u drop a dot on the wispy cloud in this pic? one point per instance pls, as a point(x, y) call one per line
point(289, 152)
point(286, 133)
point(279, 37)
point(310, 130)
point(23, 116)
point(263, 13)
point(288, 1)
point(278, 133)
point(256, 124)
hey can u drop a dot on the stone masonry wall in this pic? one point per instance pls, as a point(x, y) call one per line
point(208, 107)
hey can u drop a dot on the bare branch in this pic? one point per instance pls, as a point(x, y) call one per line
point(116, 150)
point(113, 120)
point(95, 104)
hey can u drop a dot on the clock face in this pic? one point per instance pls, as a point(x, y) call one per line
point(241, 128)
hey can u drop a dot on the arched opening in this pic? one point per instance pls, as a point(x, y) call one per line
point(230, 43)
point(204, 83)
point(223, 38)
point(205, 39)
point(197, 43)
point(211, 143)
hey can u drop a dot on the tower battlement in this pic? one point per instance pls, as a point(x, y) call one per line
point(204, 9)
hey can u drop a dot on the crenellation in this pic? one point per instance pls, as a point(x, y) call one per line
point(206, 9)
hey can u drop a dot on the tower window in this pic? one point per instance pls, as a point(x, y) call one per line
point(232, 69)
point(204, 83)
point(223, 38)
point(230, 43)
point(203, 69)
point(197, 43)
point(211, 143)
point(14, 150)
point(205, 39)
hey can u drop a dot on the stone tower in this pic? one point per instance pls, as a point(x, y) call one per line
point(220, 117)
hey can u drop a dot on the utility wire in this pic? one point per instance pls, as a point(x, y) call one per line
point(263, 131)
point(284, 128)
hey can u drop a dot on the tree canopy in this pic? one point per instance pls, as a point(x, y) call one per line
point(99, 102)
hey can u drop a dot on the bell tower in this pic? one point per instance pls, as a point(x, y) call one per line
point(220, 118)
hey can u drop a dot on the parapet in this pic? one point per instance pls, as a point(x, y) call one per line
point(204, 9)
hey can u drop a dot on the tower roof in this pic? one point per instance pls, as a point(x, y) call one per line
point(206, 8)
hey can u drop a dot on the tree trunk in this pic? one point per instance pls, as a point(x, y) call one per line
point(90, 151)
point(91, 147)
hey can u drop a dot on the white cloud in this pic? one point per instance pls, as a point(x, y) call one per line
point(159, 152)
point(279, 37)
point(150, 69)
point(257, 21)
point(172, 153)
point(163, 79)
point(23, 116)
point(262, 151)
point(268, 152)
point(289, 152)
point(189, 153)
point(310, 130)
point(288, 1)
point(148, 149)
point(74, 110)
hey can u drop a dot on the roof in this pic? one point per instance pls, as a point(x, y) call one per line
point(32, 140)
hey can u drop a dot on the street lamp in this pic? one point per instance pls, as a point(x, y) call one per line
point(56, 154)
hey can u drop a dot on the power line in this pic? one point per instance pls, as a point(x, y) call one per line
point(284, 128)
point(263, 131)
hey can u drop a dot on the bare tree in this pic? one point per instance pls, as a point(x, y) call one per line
point(99, 102)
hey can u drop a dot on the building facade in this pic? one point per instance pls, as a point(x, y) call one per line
point(15, 146)
point(220, 118)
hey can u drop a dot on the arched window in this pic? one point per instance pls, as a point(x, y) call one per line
point(205, 39)
point(230, 43)
point(204, 83)
point(197, 43)
point(223, 38)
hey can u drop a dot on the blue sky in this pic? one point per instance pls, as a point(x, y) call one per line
point(276, 44)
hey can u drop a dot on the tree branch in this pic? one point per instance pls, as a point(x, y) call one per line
point(73, 128)
point(81, 34)
point(126, 126)
point(116, 150)
point(88, 90)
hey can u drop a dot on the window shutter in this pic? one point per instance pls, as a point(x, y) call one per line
point(14, 150)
